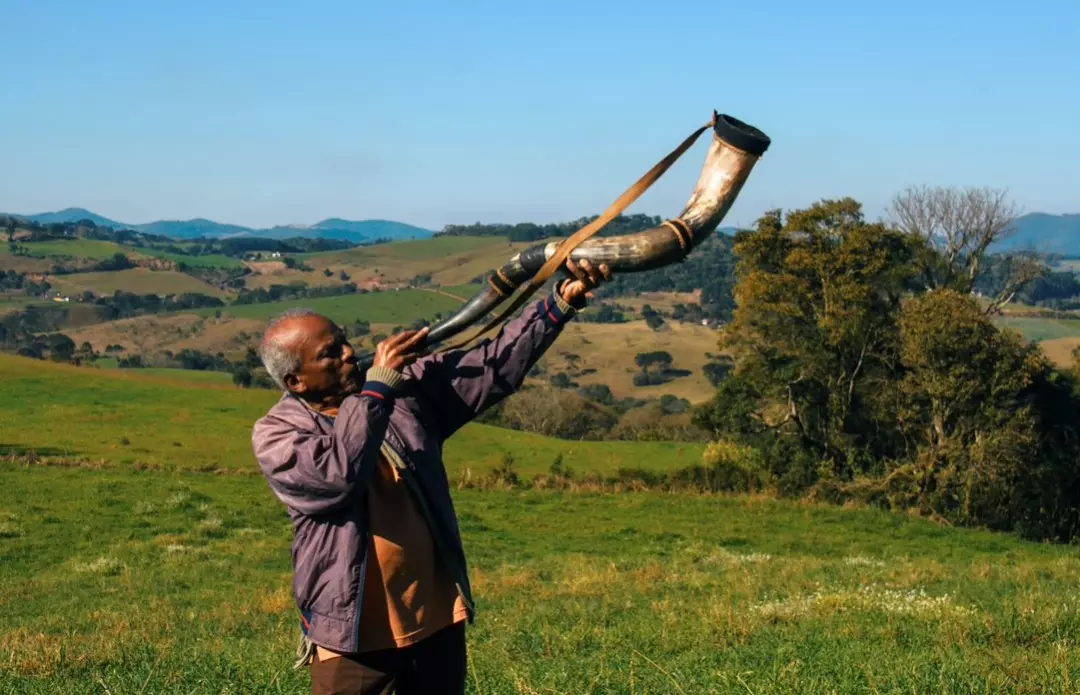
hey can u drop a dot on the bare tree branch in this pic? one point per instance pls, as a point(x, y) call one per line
point(959, 227)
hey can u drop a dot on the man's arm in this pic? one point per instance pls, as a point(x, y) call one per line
point(461, 384)
point(316, 474)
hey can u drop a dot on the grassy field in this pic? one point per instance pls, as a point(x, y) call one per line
point(207, 261)
point(118, 581)
point(72, 248)
point(395, 306)
point(1041, 329)
point(449, 260)
point(155, 333)
point(137, 280)
point(17, 302)
point(609, 348)
point(182, 375)
point(173, 576)
point(138, 417)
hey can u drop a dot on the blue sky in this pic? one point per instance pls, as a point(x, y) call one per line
point(261, 113)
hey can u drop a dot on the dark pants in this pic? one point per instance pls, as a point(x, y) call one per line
point(434, 665)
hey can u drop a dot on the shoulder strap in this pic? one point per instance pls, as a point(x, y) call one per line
point(567, 246)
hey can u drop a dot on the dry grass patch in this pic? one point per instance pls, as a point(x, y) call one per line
point(609, 349)
point(136, 280)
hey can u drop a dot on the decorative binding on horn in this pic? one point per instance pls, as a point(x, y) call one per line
point(501, 284)
point(735, 148)
point(682, 233)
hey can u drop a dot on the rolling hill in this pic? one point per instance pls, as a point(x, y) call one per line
point(331, 228)
point(1044, 233)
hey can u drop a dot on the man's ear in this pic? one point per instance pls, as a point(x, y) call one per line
point(295, 383)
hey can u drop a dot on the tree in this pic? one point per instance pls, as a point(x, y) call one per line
point(658, 358)
point(814, 335)
point(242, 376)
point(561, 380)
point(718, 369)
point(995, 428)
point(958, 228)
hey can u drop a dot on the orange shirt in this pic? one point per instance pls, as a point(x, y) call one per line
point(408, 594)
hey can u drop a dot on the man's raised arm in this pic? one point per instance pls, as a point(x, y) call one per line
point(464, 383)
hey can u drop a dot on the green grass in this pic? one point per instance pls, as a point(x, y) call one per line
point(123, 581)
point(75, 248)
point(464, 291)
point(1040, 329)
point(16, 302)
point(173, 419)
point(191, 375)
point(400, 307)
point(420, 249)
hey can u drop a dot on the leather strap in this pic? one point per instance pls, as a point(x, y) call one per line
point(567, 246)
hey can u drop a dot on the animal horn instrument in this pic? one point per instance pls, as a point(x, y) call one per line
point(735, 149)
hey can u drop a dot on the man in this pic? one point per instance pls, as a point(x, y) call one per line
point(379, 573)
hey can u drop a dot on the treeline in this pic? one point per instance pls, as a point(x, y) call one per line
point(122, 305)
point(80, 229)
point(13, 280)
point(235, 247)
point(247, 372)
point(865, 368)
point(528, 231)
point(31, 333)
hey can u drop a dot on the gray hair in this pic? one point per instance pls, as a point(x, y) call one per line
point(279, 358)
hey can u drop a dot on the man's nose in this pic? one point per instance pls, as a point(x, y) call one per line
point(347, 352)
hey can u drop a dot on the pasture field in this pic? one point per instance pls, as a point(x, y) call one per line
point(73, 248)
point(17, 302)
point(1040, 329)
point(123, 581)
point(207, 261)
point(136, 280)
point(181, 375)
point(449, 260)
point(136, 417)
point(392, 306)
point(153, 333)
point(609, 349)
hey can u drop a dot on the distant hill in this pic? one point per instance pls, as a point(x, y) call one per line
point(73, 215)
point(356, 231)
point(1044, 233)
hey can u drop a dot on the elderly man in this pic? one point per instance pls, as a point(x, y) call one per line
point(379, 572)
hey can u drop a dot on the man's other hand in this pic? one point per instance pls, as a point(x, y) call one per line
point(397, 351)
point(587, 277)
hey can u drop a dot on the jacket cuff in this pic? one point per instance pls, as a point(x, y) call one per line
point(555, 311)
point(382, 382)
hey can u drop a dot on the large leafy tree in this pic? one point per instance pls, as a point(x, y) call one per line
point(814, 336)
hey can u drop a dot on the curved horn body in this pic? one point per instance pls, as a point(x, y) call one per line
point(735, 149)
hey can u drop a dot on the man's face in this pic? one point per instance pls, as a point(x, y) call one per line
point(328, 369)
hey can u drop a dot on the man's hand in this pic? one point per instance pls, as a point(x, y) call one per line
point(574, 292)
point(397, 351)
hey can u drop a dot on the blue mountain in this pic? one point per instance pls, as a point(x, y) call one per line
point(73, 215)
point(355, 231)
point(1044, 233)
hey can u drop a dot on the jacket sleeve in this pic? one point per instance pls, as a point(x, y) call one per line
point(462, 384)
point(314, 473)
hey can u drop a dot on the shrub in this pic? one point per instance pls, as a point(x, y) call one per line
point(736, 467)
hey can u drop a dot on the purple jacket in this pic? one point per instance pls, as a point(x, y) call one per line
point(319, 468)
